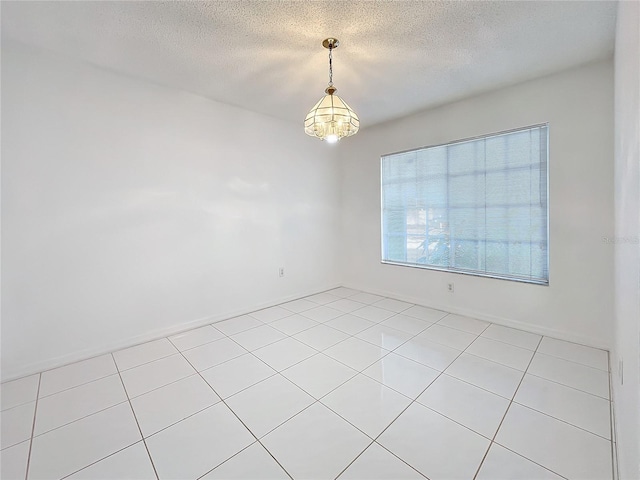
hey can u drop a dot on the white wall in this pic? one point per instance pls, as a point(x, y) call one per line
point(627, 259)
point(131, 210)
point(578, 303)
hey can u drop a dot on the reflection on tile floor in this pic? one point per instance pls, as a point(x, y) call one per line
point(341, 384)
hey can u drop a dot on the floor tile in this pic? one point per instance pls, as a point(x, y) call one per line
point(230, 377)
point(67, 449)
point(78, 402)
point(466, 324)
point(500, 352)
point(573, 406)
point(252, 463)
point(133, 462)
point(271, 314)
point(195, 338)
point(376, 463)
point(367, 298)
point(384, 336)
point(392, 305)
point(214, 353)
point(560, 447)
point(403, 375)
point(156, 374)
point(428, 353)
point(299, 305)
point(345, 305)
point(321, 337)
point(324, 444)
point(373, 314)
point(437, 447)
point(503, 464)
point(13, 462)
point(269, 403)
point(72, 375)
point(293, 324)
point(349, 324)
point(258, 337)
point(424, 313)
point(482, 373)
point(477, 409)
point(407, 324)
point(144, 353)
point(174, 402)
point(319, 374)
point(587, 379)
point(322, 298)
point(343, 292)
point(237, 324)
point(283, 354)
point(367, 404)
point(462, 384)
point(449, 337)
point(16, 424)
point(513, 336)
point(17, 392)
point(356, 353)
point(591, 357)
point(322, 313)
point(193, 447)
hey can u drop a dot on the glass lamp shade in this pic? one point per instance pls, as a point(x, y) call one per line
point(331, 119)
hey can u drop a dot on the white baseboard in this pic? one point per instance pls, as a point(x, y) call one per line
point(549, 332)
point(60, 361)
point(49, 364)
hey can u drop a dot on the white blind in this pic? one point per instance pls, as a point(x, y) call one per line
point(476, 206)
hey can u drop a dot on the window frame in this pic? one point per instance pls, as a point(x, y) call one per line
point(462, 271)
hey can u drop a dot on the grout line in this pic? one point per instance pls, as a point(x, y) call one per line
point(506, 411)
point(150, 361)
point(33, 427)
point(563, 421)
point(375, 439)
point(569, 386)
point(532, 461)
point(493, 440)
point(352, 461)
point(80, 384)
point(100, 459)
point(161, 386)
point(240, 420)
point(495, 361)
point(511, 344)
point(136, 419)
point(315, 400)
point(402, 460)
point(80, 418)
point(573, 362)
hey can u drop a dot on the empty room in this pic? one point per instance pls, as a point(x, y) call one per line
point(320, 240)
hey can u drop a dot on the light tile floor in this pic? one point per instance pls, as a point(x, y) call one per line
point(342, 384)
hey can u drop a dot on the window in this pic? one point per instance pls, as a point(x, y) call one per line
point(474, 206)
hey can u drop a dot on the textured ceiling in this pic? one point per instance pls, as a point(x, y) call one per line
point(395, 57)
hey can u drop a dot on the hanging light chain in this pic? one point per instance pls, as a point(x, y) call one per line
point(330, 64)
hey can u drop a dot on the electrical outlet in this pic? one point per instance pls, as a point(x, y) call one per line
point(450, 287)
point(281, 272)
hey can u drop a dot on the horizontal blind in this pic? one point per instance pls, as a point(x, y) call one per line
point(476, 206)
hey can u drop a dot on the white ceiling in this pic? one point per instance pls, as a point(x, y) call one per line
point(395, 57)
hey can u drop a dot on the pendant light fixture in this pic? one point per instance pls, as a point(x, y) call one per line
point(331, 118)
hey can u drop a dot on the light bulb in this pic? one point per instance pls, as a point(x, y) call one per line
point(332, 138)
